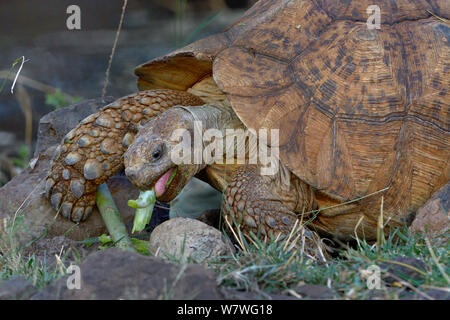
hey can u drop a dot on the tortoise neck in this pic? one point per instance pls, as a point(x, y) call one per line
point(214, 117)
point(211, 126)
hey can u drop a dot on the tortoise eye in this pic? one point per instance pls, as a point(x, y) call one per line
point(157, 153)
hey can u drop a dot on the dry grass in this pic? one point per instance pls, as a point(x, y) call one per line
point(279, 265)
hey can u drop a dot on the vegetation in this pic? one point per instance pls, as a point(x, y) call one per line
point(58, 99)
point(14, 262)
point(270, 267)
point(280, 266)
point(23, 156)
point(112, 219)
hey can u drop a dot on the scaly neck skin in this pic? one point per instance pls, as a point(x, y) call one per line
point(206, 117)
point(211, 121)
point(214, 117)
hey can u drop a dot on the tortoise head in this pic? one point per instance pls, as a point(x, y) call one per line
point(150, 162)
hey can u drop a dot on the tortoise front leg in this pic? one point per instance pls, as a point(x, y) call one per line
point(92, 152)
point(259, 204)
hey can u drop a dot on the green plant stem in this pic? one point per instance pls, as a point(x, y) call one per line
point(112, 219)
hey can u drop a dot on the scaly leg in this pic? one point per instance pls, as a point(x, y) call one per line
point(92, 152)
point(260, 204)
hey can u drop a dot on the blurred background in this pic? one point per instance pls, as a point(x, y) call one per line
point(65, 66)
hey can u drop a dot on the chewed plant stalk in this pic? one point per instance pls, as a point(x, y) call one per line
point(112, 219)
point(144, 209)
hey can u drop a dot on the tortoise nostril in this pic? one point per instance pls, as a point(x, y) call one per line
point(131, 173)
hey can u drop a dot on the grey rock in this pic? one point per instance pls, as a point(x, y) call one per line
point(233, 294)
point(432, 294)
point(402, 268)
point(433, 217)
point(69, 251)
point(315, 292)
point(435, 294)
point(56, 124)
point(17, 288)
point(117, 274)
point(184, 238)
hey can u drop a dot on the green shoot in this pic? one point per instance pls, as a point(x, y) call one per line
point(144, 209)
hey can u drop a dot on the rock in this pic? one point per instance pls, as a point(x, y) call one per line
point(115, 274)
point(17, 288)
point(403, 268)
point(183, 238)
point(432, 218)
point(233, 294)
point(432, 294)
point(435, 294)
point(315, 292)
point(49, 246)
point(56, 124)
point(46, 250)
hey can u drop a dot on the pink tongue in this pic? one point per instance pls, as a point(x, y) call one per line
point(160, 186)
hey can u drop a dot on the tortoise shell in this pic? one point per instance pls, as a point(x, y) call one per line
point(358, 110)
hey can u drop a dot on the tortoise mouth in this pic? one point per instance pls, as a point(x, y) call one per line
point(168, 184)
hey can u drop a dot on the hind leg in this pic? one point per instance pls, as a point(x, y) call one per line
point(92, 152)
